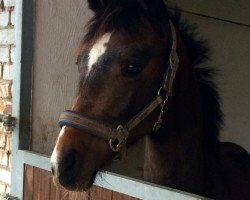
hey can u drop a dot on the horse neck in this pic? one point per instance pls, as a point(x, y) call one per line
point(173, 156)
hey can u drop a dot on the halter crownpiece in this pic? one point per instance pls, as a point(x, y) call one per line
point(117, 137)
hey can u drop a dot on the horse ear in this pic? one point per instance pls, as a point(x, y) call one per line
point(98, 5)
point(152, 6)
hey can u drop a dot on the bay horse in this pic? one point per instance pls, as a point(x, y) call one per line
point(142, 75)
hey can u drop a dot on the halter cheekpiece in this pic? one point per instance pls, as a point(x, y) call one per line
point(117, 137)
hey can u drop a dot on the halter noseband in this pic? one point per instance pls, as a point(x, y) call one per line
point(117, 137)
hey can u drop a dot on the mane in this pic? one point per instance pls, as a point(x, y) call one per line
point(198, 53)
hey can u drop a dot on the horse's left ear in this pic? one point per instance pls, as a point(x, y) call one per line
point(98, 5)
point(154, 7)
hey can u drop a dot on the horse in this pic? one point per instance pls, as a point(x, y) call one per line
point(142, 76)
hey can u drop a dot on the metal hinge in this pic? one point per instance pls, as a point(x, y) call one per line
point(8, 121)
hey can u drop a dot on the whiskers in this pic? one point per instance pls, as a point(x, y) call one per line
point(53, 181)
point(101, 179)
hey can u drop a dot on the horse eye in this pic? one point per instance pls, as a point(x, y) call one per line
point(131, 69)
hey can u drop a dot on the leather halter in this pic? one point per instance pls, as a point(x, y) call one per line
point(117, 137)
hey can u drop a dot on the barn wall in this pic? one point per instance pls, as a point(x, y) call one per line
point(6, 67)
point(225, 25)
point(58, 30)
point(228, 10)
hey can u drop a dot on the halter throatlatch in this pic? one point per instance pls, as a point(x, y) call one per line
point(117, 137)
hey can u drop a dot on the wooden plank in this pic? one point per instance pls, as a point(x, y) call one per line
point(53, 191)
point(57, 193)
point(63, 194)
point(120, 196)
point(41, 184)
point(45, 184)
point(28, 183)
point(122, 184)
point(45, 189)
point(36, 188)
point(78, 196)
point(100, 193)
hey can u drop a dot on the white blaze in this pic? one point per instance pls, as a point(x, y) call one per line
point(98, 49)
point(54, 155)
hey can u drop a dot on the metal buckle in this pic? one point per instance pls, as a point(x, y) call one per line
point(162, 93)
point(174, 60)
point(117, 143)
point(158, 123)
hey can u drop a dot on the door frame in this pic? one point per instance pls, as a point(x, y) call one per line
point(22, 100)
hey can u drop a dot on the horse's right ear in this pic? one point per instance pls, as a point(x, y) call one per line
point(98, 5)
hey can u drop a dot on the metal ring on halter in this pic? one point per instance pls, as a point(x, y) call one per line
point(159, 93)
point(121, 138)
point(116, 148)
point(157, 126)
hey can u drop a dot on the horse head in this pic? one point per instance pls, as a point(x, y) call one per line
point(123, 62)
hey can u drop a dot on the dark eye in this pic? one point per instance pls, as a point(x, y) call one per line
point(131, 69)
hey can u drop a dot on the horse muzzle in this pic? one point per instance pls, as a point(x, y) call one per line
point(66, 169)
point(76, 159)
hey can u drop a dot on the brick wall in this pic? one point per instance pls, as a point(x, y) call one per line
point(7, 46)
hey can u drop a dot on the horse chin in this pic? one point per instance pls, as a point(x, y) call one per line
point(79, 185)
point(87, 185)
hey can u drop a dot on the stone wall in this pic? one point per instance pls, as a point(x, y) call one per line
point(6, 67)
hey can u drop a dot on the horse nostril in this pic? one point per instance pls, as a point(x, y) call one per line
point(53, 169)
point(69, 167)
